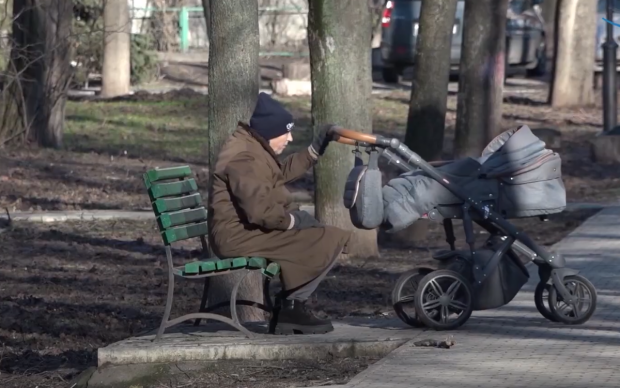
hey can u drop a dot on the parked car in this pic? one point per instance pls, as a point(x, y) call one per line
point(525, 37)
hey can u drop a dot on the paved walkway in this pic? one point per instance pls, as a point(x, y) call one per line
point(514, 346)
point(147, 214)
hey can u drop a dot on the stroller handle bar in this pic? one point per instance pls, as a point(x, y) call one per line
point(351, 137)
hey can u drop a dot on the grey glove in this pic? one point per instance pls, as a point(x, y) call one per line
point(303, 220)
point(321, 139)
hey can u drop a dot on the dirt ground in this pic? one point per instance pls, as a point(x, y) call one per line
point(67, 289)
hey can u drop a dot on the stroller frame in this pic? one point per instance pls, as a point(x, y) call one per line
point(552, 268)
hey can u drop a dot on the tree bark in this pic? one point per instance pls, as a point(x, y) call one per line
point(481, 78)
point(40, 55)
point(429, 91)
point(233, 90)
point(340, 60)
point(5, 23)
point(549, 12)
point(572, 83)
point(206, 9)
point(116, 68)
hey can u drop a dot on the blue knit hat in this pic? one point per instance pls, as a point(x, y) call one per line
point(270, 119)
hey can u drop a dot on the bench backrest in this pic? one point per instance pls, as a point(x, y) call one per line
point(177, 203)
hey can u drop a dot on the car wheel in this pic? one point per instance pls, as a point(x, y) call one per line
point(541, 66)
point(390, 75)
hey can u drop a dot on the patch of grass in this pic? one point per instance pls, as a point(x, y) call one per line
point(137, 128)
point(176, 129)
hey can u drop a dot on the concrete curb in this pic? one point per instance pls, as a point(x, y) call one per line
point(266, 349)
point(93, 215)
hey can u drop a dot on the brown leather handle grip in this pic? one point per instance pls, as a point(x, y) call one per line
point(349, 136)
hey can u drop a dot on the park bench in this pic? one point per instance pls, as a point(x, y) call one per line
point(181, 215)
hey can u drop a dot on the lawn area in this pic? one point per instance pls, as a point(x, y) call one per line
point(108, 145)
point(174, 129)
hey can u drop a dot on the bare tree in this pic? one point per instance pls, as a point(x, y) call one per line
point(5, 24)
point(116, 68)
point(572, 83)
point(429, 90)
point(233, 89)
point(35, 92)
point(206, 8)
point(549, 10)
point(481, 76)
point(340, 60)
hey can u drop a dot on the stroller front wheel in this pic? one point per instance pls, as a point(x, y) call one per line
point(402, 297)
point(584, 296)
point(541, 300)
point(444, 300)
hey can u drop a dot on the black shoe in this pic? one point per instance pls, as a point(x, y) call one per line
point(294, 317)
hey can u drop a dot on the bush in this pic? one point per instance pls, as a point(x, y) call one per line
point(88, 47)
point(144, 63)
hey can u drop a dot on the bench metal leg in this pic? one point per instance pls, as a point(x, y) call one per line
point(204, 311)
point(169, 296)
point(203, 302)
point(216, 317)
point(266, 296)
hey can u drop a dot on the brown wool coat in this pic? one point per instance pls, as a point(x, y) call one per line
point(251, 205)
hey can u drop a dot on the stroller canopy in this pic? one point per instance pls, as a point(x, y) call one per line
point(515, 175)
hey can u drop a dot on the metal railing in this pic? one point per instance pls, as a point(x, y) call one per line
point(184, 15)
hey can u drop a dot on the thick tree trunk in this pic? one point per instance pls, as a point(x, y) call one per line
point(340, 60)
point(40, 58)
point(429, 91)
point(549, 12)
point(572, 83)
point(12, 126)
point(206, 8)
point(116, 68)
point(233, 89)
point(5, 24)
point(481, 78)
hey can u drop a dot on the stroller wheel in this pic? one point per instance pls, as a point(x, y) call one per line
point(403, 296)
point(582, 308)
point(444, 300)
point(541, 300)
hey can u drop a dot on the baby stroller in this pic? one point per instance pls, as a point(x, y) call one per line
point(515, 177)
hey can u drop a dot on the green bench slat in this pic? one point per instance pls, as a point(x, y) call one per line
point(184, 232)
point(223, 265)
point(173, 188)
point(257, 263)
point(208, 266)
point(182, 217)
point(272, 270)
point(192, 268)
point(160, 174)
point(238, 262)
point(213, 265)
point(163, 205)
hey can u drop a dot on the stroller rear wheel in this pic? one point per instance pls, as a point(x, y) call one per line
point(541, 300)
point(584, 305)
point(444, 300)
point(403, 296)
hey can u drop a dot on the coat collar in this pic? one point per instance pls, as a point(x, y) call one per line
point(243, 127)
